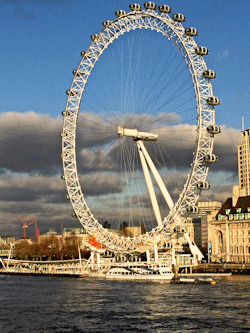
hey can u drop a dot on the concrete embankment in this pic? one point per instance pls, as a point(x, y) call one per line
point(221, 268)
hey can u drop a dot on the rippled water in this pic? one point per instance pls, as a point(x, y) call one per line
point(52, 304)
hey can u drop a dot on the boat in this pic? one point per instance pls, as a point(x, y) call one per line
point(136, 272)
point(195, 280)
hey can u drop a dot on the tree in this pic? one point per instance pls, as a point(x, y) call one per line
point(143, 229)
point(123, 226)
point(21, 249)
point(72, 244)
point(106, 225)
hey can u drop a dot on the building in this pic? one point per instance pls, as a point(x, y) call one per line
point(197, 232)
point(229, 230)
point(190, 228)
point(73, 231)
point(206, 208)
point(132, 231)
point(8, 239)
point(244, 162)
point(193, 227)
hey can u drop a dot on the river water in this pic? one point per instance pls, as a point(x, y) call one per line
point(56, 304)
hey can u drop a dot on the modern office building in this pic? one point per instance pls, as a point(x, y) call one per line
point(244, 163)
point(205, 209)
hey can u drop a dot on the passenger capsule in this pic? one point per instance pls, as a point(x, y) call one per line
point(201, 50)
point(120, 13)
point(63, 177)
point(209, 74)
point(210, 158)
point(78, 72)
point(191, 32)
point(74, 215)
point(86, 54)
point(164, 9)
point(93, 37)
point(71, 92)
point(135, 7)
point(213, 100)
point(150, 5)
point(61, 135)
point(67, 197)
point(106, 23)
point(213, 129)
point(203, 185)
point(192, 209)
point(67, 114)
point(179, 17)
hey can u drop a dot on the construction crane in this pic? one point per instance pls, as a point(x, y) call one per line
point(37, 230)
point(25, 226)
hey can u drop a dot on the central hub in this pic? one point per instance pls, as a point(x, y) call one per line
point(144, 136)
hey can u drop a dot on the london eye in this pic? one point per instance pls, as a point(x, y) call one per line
point(139, 126)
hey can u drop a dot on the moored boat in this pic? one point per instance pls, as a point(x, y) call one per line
point(195, 280)
point(148, 272)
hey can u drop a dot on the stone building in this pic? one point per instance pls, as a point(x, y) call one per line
point(229, 230)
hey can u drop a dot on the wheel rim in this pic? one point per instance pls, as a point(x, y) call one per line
point(162, 23)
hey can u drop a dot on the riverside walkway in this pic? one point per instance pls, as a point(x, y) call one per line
point(234, 268)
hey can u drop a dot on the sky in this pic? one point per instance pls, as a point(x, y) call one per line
point(41, 42)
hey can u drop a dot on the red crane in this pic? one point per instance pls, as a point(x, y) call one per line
point(25, 226)
point(37, 230)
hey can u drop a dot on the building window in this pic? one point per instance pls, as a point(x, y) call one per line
point(236, 216)
point(238, 210)
point(227, 211)
point(230, 217)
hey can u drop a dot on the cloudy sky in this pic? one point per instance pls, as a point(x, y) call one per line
point(41, 45)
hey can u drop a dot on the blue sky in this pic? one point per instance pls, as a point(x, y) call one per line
point(42, 40)
point(41, 43)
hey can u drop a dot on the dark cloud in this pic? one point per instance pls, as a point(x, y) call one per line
point(30, 142)
point(225, 147)
point(30, 180)
point(24, 187)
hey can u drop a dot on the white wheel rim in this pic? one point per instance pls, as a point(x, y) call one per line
point(160, 22)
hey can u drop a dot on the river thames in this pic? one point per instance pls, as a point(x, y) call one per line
point(56, 304)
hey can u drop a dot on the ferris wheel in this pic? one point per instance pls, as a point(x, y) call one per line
point(140, 110)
